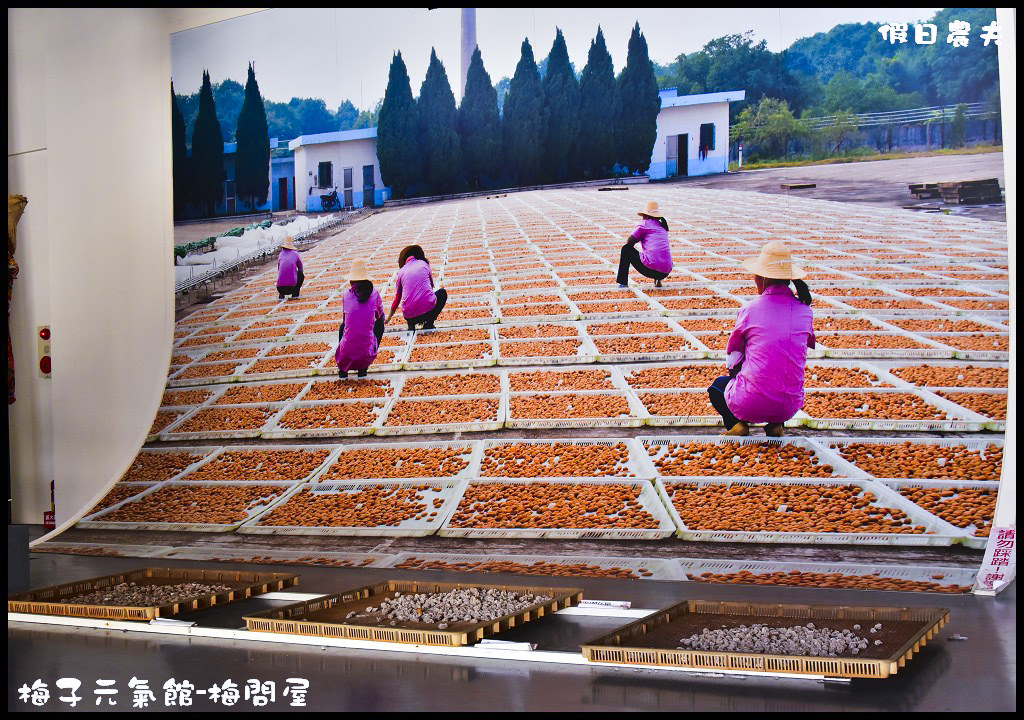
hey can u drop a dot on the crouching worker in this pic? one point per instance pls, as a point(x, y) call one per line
point(289, 270)
point(362, 323)
point(414, 288)
point(767, 352)
point(654, 258)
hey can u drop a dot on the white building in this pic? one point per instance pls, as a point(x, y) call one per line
point(345, 160)
point(693, 134)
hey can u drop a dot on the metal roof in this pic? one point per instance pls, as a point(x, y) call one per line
point(726, 96)
point(337, 136)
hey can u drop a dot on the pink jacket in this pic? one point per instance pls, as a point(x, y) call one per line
point(415, 288)
point(288, 265)
point(655, 251)
point(773, 332)
point(358, 347)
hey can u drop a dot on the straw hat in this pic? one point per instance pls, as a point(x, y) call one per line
point(651, 210)
point(358, 271)
point(289, 243)
point(776, 262)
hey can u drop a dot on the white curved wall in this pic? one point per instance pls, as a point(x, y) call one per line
point(89, 144)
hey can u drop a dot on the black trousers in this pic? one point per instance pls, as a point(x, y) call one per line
point(716, 394)
point(430, 316)
point(292, 290)
point(630, 256)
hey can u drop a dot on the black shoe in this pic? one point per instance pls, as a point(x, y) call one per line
point(343, 375)
point(429, 327)
point(361, 373)
point(280, 297)
point(657, 283)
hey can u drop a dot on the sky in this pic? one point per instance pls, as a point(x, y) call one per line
point(345, 53)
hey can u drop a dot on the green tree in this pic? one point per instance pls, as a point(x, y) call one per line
point(501, 90)
point(438, 139)
point(769, 128)
point(524, 121)
point(597, 110)
point(207, 152)
point(397, 132)
point(179, 158)
point(562, 111)
point(312, 116)
point(479, 126)
point(958, 127)
point(252, 152)
point(368, 118)
point(347, 114)
point(229, 96)
point(843, 129)
point(636, 126)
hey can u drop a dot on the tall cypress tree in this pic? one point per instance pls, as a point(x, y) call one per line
point(597, 111)
point(562, 103)
point(252, 153)
point(397, 130)
point(639, 104)
point(207, 152)
point(524, 121)
point(479, 126)
point(439, 141)
point(179, 157)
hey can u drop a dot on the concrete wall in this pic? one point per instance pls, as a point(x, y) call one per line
point(688, 119)
point(351, 153)
point(89, 144)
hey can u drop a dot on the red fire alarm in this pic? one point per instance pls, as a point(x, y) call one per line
point(43, 343)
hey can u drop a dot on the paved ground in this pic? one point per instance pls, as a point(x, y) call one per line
point(881, 183)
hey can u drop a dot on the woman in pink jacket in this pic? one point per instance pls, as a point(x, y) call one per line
point(289, 270)
point(654, 258)
point(362, 323)
point(415, 290)
point(767, 352)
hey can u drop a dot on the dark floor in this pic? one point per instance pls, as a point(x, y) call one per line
point(978, 674)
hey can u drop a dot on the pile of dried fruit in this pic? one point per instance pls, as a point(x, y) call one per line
point(699, 303)
point(714, 341)
point(838, 324)
point(676, 376)
point(280, 364)
point(737, 459)
point(463, 605)
point(552, 505)
point(538, 309)
point(771, 507)
point(434, 412)
point(244, 353)
point(194, 372)
point(335, 415)
point(185, 398)
point(628, 328)
point(516, 332)
point(939, 325)
point(243, 394)
point(366, 506)
point(541, 348)
point(865, 341)
point(449, 353)
point(158, 466)
point(530, 460)
point(202, 504)
point(541, 380)
point(163, 419)
point(226, 419)
point(795, 640)
point(954, 376)
point(461, 384)
point(831, 376)
point(886, 406)
point(924, 462)
point(348, 389)
point(116, 495)
point(299, 349)
point(570, 405)
point(962, 507)
point(538, 567)
point(684, 404)
point(991, 405)
point(384, 462)
point(263, 334)
point(261, 466)
point(991, 343)
point(725, 325)
point(615, 345)
point(434, 337)
point(797, 578)
point(613, 306)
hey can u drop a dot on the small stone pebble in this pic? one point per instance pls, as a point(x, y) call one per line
point(471, 605)
point(796, 640)
point(135, 595)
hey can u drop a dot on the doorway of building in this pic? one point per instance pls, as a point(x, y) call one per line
point(683, 157)
point(282, 194)
point(348, 187)
point(368, 186)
